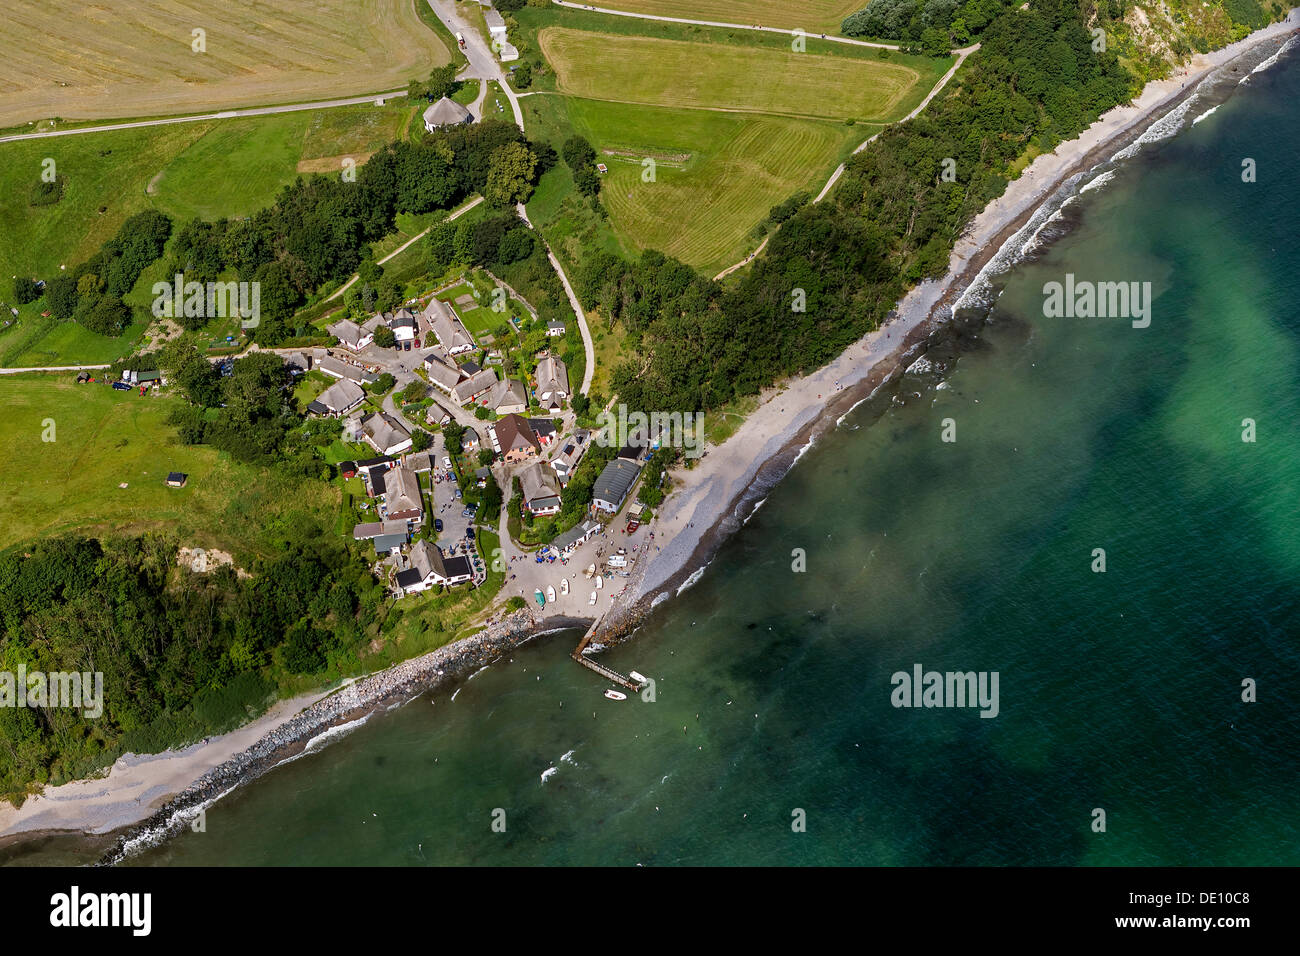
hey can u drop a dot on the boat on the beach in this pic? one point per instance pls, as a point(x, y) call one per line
point(591, 569)
point(564, 586)
point(550, 594)
point(600, 582)
point(615, 695)
point(593, 598)
point(541, 598)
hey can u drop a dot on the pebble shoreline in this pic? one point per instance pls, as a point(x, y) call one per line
point(393, 686)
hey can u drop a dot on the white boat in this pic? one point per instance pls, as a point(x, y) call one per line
point(593, 598)
point(615, 695)
point(591, 569)
point(600, 582)
point(639, 678)
point(564, 586)
point(550, 594)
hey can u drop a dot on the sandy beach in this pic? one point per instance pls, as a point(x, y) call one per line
point(136, 784)
point(708, 503)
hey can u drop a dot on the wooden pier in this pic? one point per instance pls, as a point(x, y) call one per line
point(608, 673)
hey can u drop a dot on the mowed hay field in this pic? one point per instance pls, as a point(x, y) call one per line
point(716, 175)
point(677, 73)
point(815, 16)
point(105, 437)
point(79, 60)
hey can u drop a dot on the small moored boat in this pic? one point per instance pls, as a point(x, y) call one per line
point(615, 695)
point(541, 598)
point(639, 678)
point(564, 586)
point(550, 594)
point(593, 598)
point(591, 569)
point(600, 582)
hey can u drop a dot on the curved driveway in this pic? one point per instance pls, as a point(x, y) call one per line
point(483, 66)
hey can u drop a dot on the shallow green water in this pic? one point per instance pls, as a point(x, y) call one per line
point(1119, 690)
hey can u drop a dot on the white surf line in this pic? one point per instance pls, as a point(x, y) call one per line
point(839, 170)
point(404, 246)
point(727, 26)
point(201, 117)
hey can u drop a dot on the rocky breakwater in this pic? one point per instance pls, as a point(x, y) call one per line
point(350, 703)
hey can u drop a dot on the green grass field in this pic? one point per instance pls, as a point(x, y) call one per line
point(716, 174)
point(209, 169)
point(104, 438)
point(815, 16)
point(685, 74)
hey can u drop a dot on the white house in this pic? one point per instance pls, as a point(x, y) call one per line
point(350, 335)
point(552, 380)
point(385, 434)
point(541, 490)
point(447, 326)
point(429, 567)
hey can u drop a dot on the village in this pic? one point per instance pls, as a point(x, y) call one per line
point(455, 428)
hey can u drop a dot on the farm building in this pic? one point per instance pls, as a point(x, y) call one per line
point(177, 479)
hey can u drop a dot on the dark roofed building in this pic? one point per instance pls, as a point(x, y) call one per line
point(513, 439)
point(177, 479)
point(615, 481)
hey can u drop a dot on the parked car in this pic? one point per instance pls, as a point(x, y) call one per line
point(437, 524)
point(122, 386)
point(469, 533)
point(446, 462)
point(467, 513)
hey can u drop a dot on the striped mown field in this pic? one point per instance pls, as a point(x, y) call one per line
point(135, 57)
point(821, 16)
point(716, 174)
point(684, 74)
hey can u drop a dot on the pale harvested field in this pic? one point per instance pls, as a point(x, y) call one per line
point(79, 61)
point(676, 73)
point(821, 16)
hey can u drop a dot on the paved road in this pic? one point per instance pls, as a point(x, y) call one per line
point(483, 65)
point(839, 170)
point(201, 117)
point(53, 368)
point(729, 26)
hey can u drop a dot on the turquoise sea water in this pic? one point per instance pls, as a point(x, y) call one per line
point(1118, 690)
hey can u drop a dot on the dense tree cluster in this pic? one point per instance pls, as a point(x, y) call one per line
point(580, 157)
point(441, 82)
point(181, 654)
point(248, 413)
point(92, 292)
point(931, 25)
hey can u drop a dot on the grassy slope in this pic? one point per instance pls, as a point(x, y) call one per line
point(106, 437)
point(136, 59)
